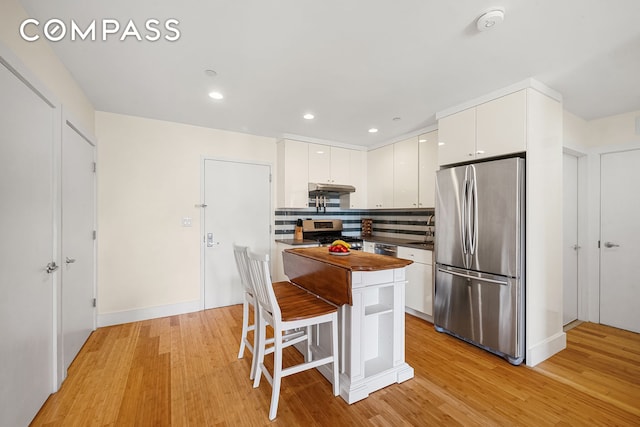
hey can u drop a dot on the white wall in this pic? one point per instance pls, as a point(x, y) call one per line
point(40, 59)
point(575, 132)
point(615, 130)
point(149, 177)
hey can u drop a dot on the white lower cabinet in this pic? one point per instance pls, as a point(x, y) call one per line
point(419, 289)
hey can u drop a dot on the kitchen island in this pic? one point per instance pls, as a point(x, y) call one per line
point(369, 289)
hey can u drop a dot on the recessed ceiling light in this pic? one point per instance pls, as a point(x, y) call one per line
point(440, 143)
point(373, 130)
point(216, 95)
point(308, 116)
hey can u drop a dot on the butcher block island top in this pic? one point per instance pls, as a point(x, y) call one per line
point(329, 276)
point(354, 261)
point(369, 290)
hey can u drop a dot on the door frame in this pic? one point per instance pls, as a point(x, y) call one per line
point(203, 160)
point(582, 179)
point(593, 223)
point(70, 123)
point(9, 60)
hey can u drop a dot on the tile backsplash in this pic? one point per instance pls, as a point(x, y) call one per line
point(410, 224)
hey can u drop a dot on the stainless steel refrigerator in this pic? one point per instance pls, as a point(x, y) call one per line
point(479, 273)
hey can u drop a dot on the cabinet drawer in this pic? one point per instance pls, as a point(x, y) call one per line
point(416, 255)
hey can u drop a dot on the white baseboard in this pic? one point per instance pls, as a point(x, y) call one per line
point(120, 317)
point(545, 349)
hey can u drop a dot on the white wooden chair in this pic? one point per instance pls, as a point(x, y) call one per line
point(281, 289)
point(299, 311)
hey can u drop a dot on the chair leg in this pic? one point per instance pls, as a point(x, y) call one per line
point(336, 356)
point(256, 342)
point(277, 375)
point(308, 356)
point(262, 338)
point(245, 327)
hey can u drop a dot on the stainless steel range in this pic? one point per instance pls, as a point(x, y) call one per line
point(326, 231)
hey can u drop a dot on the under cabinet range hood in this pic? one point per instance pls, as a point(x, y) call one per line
point(318, 188)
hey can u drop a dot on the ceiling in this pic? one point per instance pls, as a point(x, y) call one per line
point(354, 64)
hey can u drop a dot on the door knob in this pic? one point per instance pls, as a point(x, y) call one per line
point(51, 267)
point(611, 245)
point(575, 247)
point(210, 242)
point(70, 260)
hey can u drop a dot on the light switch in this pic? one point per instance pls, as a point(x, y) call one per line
point(186, 221)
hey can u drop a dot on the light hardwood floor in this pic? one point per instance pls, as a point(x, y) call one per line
point(183, 371)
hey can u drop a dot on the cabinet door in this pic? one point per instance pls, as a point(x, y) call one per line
point(319, 163)
point(405, 173)
point(501, 125)
point(415, 289)
point(427, 167)
point(380, 177)
point(358, 178)
point(339, 168)
point(428, 291)
point(457, 132)
point(419, 279)
point(293, 174)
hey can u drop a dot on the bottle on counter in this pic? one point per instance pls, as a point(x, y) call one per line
point(297, 235)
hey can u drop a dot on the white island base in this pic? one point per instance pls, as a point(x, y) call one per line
point(372, 335)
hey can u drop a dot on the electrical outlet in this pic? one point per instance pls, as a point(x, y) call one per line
point(186, 221)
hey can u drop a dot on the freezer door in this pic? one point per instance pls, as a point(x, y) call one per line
point(483, 309)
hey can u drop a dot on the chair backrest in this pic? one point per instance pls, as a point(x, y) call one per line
point(241, 254)
point(261, 280)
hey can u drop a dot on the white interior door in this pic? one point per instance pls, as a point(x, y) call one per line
point(26, 247)
point(570, 239)
point(620, 240)
point(238, 210)
point(78, 255)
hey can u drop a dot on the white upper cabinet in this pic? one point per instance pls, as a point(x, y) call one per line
point(458, 134)
point(292, 174)
point(358, 178)
point(340, 162)
point(329, 164)
point(427, 167)
point(380, 177)
point(490, 129)
point(501, 125)
point(319, 163)
point(405, 173)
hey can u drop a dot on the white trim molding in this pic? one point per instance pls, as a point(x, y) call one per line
point(128, 316)
point(545, 349)
point(524, 84)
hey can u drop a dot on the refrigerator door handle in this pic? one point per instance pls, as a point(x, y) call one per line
point(463, 216)
point(467, 276)
point(473, 213)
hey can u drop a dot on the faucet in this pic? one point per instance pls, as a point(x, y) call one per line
point(429, 233)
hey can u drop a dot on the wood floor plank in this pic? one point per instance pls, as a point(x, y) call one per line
point(184, 371)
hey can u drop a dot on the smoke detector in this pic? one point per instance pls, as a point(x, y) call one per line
point(490, 19)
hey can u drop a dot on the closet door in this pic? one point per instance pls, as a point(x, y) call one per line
point(27, 129)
